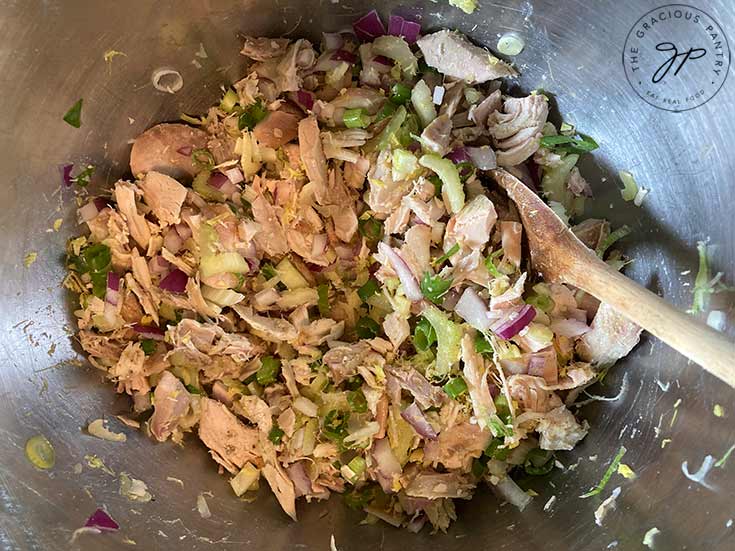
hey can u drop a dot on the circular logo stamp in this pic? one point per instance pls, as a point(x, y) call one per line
point(676, 57)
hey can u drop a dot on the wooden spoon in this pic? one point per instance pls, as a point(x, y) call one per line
point(562, 258)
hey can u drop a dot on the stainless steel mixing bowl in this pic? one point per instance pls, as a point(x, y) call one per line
point(52, 53)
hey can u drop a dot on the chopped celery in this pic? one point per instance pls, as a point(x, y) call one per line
point(357, 465)
point(630, 187)
point(220, 263)
point(289, 275)
point(221, 297)
point(323, 299)
point(467, 6)
point(229, 101)
point(384, 139)
point(148, 346)
point(451, 184)
point(370, 287)
point(397, 49)
point(621, 232)
point(356, 118)
point(202, 187)
point(404, 164)
point(554, 181)
point(251, 116)
point(448, 336)
point(202, 159)
point(423, 104)
point(270, 367)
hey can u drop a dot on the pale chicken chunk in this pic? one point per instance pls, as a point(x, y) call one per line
point(471, 226)
point(611, 337)
point(164, 195)
point(230, 442)
point(171, 404)
point(167, 148)
point(517, 131)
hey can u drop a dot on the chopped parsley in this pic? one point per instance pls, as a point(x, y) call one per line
point(435, 287)
point(73, 116)
point(569, 144)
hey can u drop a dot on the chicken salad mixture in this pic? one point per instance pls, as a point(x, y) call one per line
point(321, 281)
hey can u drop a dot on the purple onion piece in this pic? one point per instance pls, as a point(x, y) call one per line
point(395, 25)
point(217, 180)
point(186, 150)
point(174, 282)
point(516, 322)
point(458, 155)
point(369, 26)
point(149, 331)
point(415, 417)
point(306, 99)
point(66, 174)
point(410, 31)
point(333, 41)
point(344, 55)
point(404, 273)
point(100, 202)
point(383, 60)
point(102, 521)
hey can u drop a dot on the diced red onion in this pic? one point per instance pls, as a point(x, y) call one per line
point(387, 466)
point(319, 245)
point(217, 180)
point(569, 327)
point(174, 282)
point(482, 157)
point(305, 99)
point(516, 322)
point(113, 288)
point(414, 146)
point(369, 26)
point(458, 155)
point(404, 273)
point(183, 230)
point(100, 202)
point(395, 24)
point(473, 310)
point(577, 314)
point(158, 265)
point(172, 241)
point(344, 55)
point(234, 175)
point(149, 331)
point(102, 521)
point(186, 150)
point(544, 365)
point(382, 60)
point(333, 41)
point(88, 212)
point(398, 26)
point(66, 174)
point(301, 481)
point(415, 417)
point(228, 188)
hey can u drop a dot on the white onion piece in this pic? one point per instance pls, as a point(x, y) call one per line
point(482, 157)
point(404, 273)
point(88, 212)
point(183, 230)
point(471, 308)
point(167, 79)
point(305, 406)
point(234, 175)
point(512, 493)
point(569, 327)
point(172, 241)
point(511, 44)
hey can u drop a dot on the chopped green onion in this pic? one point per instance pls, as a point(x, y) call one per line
point(511, 44)
point(400, 93)
point(252, 115)
point(501, 406)
point(612, 238)
point(276, 434)
point(40, 452)
point(229, 100)
point(335, 425)
point(436, 181)
point(82, 179)
point(192, 389)
point(269, 369)
point(434, 287)
point(73, 116)
point(405, 135)
point(357, 401)
point(495, 450)
point(630, 186)
point(451, 183)
point(148, 346)
point(367, 328)
point(478, 468)
point(323, 303)
point(370, 228)
point(387, 111)
point(96, 260)
point(569, 144)
point(368, 289)
point(455, 387)
point(202, 159)
point(500, 428)
point(608, 474)
point(192, 120)
point(424, 335)
point(490, 263)
point(447, 255)
point(538, 462)
point(356, 118)
point(541, 302)
point(483, 346)
point(268, 271)
point(384, 139)
point(357, 465)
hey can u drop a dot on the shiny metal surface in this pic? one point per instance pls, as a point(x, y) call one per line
point(51, 54)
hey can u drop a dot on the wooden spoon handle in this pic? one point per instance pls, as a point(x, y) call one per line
point(693, 339)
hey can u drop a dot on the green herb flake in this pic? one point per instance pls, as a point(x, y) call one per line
point(358, 402)
point(270, 367)
point(323, 302)
point(276, 434)
point(611, 470)
point(424, 335)
point(335, 425)
point(367, 328)
point(368, 289)
point(83, 178)
point(370, 228)
point(148, 346)
point(483, 346)
point(718, 411)
point(447, 255)
point(455, 387)
point(434, 287)
point(490, 263)
point(611, 239)
point(73, 116)
point(569, 144)
point(538, 462)
point(251, 116)
point(268, 271)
